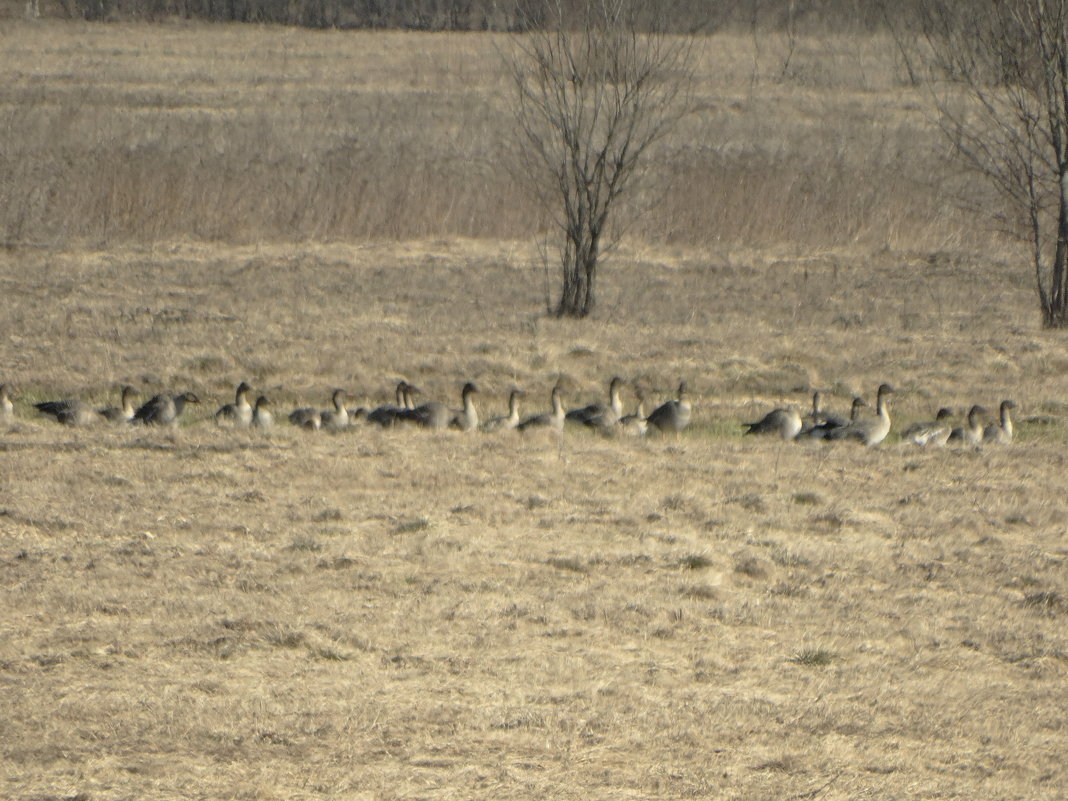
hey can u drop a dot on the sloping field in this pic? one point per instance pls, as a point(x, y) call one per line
point(201, 613)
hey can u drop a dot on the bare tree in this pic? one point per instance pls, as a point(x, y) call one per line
point(1005, 64)
point(597, 84)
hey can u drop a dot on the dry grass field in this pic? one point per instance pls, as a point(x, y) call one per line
point(200, 613)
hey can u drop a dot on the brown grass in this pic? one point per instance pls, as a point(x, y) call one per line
point(204, 614)
point(119, 133)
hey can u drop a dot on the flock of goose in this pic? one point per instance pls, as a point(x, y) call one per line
point(672, 416)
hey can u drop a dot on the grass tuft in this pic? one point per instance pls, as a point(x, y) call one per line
point(813, 657)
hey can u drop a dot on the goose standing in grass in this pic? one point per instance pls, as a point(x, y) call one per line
point(833, 422)
point(261, 414)
point(386, 414)
point(784, 422)
point(600, 415)
point(163, 409)
point(466, 419)
point(69, 412)
point(819, 417)
point(306, 417)
point(869, 430)
point(553, 420)
point(1001, 432)
point(125, 411)
point(634, 425)
point(970, 434)
point(930, 433)
point(434, 415)
point(673, 415)
point(336, 419)
point(509, 421)
point(7, 407)
point(239, 413)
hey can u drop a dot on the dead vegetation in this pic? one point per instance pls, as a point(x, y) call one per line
point(201, 613)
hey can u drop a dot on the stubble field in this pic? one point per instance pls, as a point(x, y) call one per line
point(201, 613)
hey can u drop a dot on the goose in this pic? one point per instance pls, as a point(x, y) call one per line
point(869, 430)
point(261, 414)
point(432, 414)
point(819, 417)
point(972, 432)
point(930, 432)
point(386, 414)
point(312, 419)
point(466, 419)
point(7, 407)
point(163, 409)
point(634, 424)
point(673, 415)
point(69, 412)
point(507, 422)
point(785, 422)
point(1001, 432)
point(833, 422)
point(238, 413)
point(599, 415)
point(306, 417)
point(335, 419)
point(124, 412)
point(553, 420)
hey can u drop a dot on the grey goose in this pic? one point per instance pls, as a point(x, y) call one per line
point(972, 432)
point(69, 412)
point(1001, 432)
point(673, 415)
point(635, 424)
point(466, 419)
point(930, 433)
point(869, 430)
point(434, 415)
point(7, 406)
point(336, 419)
point(833, 422)
point(239, 413)
point(163, 409)
point(601, 415)
point(509, 421)
point(125, 411)
point(261, 414)
point(553, 420)
point(386, 414)
point(783, 422)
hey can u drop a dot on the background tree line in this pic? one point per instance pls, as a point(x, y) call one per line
point(495, 15)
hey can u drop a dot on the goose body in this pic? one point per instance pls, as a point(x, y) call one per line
point(306, 417)
point(1003, 431)
point(930, 433)
point(601, 415)
point(507, 422)
point(386, 414)
point(553, 420)
point(869, 430)
point(239, 413)
point(125, 411)
point(7, 406)
point(432, 414)
point(261, 414)
point(466, 419)
point(70, 412)
point(785, 423)
point(163, 409)
point(970, 434)
point(335, 419)
point(673, 415)
point(833, 422)
point(635, 424)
